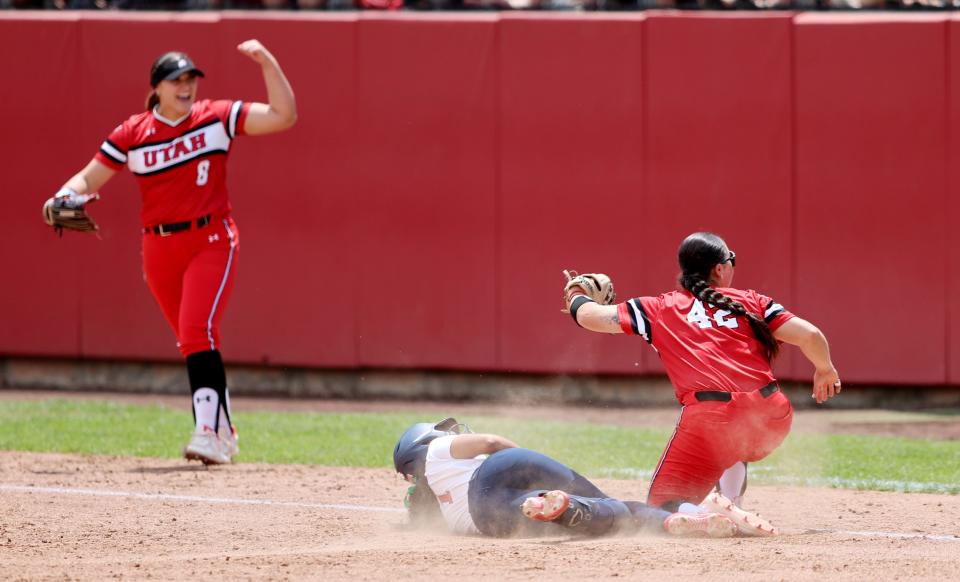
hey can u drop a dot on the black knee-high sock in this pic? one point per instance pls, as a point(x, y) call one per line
point(206, 370)
point(597, 517)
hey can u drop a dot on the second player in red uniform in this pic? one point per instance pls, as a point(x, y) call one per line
point(177, 150)
point(716, 344)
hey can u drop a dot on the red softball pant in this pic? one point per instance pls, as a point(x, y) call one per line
point(711, 436)
point(190, 274)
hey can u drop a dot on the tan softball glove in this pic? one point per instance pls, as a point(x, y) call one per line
point(67, 209)
point(596, 286)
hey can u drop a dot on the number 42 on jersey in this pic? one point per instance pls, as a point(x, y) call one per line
point(698, 316)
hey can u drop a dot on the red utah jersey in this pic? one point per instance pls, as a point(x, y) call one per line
point(180, 165)
point(703, 347)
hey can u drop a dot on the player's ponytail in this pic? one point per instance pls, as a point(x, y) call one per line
point(699, 254)
point(152, 100)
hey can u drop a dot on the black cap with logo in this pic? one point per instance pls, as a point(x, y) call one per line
point(170, 66)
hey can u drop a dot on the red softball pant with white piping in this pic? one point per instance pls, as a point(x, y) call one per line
point(190, 274)
point(711, 436)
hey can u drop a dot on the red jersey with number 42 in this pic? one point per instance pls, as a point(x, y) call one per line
point(702, 347)
point(180, 165)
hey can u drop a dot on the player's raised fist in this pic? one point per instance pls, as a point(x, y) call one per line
point(255, 50)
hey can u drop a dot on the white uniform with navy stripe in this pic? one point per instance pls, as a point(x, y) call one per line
point(449, 479)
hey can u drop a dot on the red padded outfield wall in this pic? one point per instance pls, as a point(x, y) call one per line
point(870, 172)
point(446, 167)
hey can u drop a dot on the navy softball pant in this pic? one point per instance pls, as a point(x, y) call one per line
point(508, 477)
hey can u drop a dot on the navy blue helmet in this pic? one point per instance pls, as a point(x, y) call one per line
point(411, 451)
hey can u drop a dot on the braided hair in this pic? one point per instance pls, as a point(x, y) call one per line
point(699, 254)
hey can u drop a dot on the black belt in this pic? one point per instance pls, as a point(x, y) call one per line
point(725, 396)
point(168, 229)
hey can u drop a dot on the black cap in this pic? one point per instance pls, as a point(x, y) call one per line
point(170, 66)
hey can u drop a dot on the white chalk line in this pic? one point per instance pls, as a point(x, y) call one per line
point(347, 507)
point(889, 534)
point(192, 498)
point(837, 482)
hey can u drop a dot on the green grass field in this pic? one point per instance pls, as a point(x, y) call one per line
point(366, 440)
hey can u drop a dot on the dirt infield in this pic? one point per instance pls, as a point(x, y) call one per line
point(69, 517)
point(90, 518)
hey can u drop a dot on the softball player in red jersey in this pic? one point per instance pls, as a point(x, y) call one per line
point(716, 344)
point(177, 150)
